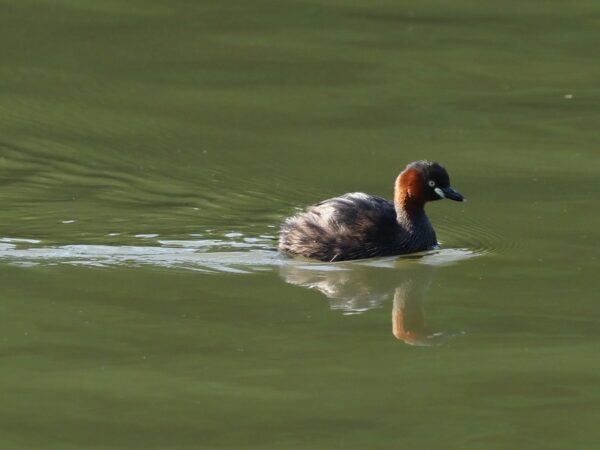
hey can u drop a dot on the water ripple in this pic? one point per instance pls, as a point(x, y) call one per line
point(473, 235)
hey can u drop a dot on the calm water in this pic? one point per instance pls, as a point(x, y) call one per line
point(148, 152)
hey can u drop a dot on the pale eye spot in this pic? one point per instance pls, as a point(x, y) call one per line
point(431, 183)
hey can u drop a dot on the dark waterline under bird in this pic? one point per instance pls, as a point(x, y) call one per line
point(358, 225)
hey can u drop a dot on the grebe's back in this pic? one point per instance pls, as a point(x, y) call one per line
point(352, 226)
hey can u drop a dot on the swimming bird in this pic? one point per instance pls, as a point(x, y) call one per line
point(358, 225)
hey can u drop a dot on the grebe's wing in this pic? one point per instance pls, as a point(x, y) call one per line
point(355, 209)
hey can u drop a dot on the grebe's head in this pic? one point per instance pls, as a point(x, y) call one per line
point(425, 181)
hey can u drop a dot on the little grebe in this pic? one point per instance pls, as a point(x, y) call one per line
point(358, 225)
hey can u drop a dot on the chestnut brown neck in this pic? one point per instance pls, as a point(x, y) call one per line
point(408, 195)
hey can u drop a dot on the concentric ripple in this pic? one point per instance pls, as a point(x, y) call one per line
point(475, 236)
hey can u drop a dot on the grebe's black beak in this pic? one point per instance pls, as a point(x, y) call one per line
point(450, 193)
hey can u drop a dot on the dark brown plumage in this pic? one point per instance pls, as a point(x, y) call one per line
point(358, 225)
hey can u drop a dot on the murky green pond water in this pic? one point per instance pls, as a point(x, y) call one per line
point(148, 152)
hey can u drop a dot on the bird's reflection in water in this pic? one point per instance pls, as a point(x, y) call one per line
point(356, 287)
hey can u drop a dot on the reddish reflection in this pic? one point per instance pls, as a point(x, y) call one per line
point(355, 288)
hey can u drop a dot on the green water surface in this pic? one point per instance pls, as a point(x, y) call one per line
point(149, 151)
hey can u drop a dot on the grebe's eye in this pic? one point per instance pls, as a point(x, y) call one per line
point(431, 183)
